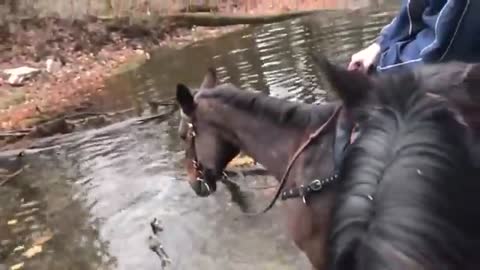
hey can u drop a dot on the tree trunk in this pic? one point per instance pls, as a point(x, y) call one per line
point(217, 20)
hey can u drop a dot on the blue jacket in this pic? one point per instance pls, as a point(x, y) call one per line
point(431, 31)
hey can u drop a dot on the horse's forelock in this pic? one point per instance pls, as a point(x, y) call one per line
point(415, 122)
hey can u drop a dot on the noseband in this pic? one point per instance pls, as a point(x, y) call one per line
point(196, 164)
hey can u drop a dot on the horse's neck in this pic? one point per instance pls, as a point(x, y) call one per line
point(273, 149)
point(273, 144)
point(268, 143)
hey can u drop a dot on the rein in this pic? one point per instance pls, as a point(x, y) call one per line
point(297, 153)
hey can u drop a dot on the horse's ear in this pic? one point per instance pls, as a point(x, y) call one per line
point(210, 80)
point(351, 86)
point(185, 99)
point(471, 78)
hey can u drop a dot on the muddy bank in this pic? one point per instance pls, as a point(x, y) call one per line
point(84, 53)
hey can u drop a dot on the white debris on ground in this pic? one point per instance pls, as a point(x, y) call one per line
point(52, 65)
point(17, 76)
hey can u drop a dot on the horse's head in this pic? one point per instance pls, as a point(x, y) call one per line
point(207, 152)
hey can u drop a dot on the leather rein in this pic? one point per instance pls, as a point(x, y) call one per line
point(301, 191)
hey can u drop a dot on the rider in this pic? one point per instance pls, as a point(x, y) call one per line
point(425, 31)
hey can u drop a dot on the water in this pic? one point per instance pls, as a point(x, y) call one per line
point(88, 201)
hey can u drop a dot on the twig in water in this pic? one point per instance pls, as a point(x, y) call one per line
point(80, 115)
point(157, 117)
point(8, 177)
point(155, 245)
point(262, 187)
point(13, 134)
point(155, 104)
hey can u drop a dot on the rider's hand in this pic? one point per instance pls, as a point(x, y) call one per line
point(365, 58)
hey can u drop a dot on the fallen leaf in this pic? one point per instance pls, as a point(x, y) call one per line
point(241, 161)
point(33, 251)
point(12, 222)
point(17, 266)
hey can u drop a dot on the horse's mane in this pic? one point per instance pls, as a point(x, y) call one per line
point(407, 192)
point(274, 110)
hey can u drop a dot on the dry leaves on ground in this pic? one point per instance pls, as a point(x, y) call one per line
point(241, 161)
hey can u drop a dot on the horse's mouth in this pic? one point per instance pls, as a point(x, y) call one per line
point(203, 182)
point(203, 188)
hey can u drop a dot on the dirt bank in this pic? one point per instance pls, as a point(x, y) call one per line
point(85, 53)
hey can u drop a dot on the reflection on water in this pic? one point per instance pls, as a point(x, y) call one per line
point(274, 58)
point(41, 210)
point(87, 203)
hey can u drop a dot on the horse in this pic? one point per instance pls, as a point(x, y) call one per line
point(221, 120)
point(299, 144)
point(407, 193)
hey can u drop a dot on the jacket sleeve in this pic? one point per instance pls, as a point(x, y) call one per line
point(388, 33)
point(432, 31)
point(444, 26)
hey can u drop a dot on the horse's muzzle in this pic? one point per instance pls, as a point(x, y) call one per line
point(202, 188)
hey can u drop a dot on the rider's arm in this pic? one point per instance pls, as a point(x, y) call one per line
point(428, 32)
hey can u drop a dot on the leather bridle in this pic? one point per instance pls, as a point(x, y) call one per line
point(191, 133)
point(297, 153)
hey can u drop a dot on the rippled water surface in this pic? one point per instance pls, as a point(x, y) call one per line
point(87, 203)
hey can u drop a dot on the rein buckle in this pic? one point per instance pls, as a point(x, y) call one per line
point(316, 185)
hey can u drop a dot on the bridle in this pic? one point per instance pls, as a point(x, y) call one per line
point(317, 184)
point(302, 191)
point(197, 166)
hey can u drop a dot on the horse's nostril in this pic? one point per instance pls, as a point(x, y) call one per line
point(183, 136)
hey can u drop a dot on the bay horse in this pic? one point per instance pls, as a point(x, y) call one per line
point(219, 120)
point(408, 189)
